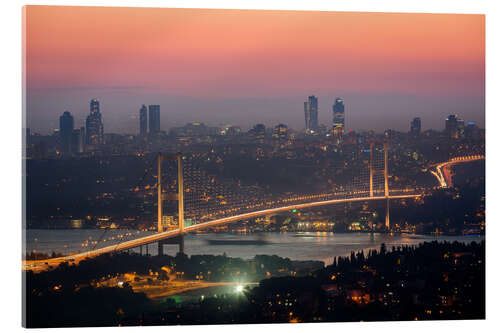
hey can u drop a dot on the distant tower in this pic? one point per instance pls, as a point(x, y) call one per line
point(338, 129)
point(311, 114)
point(154, 119)
point(415, 126)
point(66, 124)
point(81, 140)
point(95, 132)
point(143, 121)
point(451, 126)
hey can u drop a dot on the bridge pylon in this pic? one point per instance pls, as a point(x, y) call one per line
point(386, 178)
point(179, 196)
point(179, 240)
point(386, 186)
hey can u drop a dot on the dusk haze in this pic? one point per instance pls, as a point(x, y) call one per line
point(233, 66)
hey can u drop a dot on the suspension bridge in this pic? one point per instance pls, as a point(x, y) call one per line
point(204, 202)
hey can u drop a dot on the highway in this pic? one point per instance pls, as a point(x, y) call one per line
point(39, 265)
point(443, 176)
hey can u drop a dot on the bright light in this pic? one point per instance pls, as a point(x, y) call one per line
point(239, 288)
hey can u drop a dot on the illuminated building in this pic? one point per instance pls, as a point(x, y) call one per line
point(470, 130)
point(168, 222)
point(154, 119)
point(66, 123)
point(280, 132)
point(460, 128)
point(311, 114)
point(232, 130)
point(415, 126)
point(258, 132)
point(143, 121)
point(338, 129)
point(454, 126)
point(95, 132)
point(78, 140)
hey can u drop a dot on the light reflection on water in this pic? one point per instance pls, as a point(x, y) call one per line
point(322, 246)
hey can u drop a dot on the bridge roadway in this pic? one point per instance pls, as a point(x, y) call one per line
point(38, 265)
point(443, 177)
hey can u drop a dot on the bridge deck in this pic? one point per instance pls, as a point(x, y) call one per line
point(41, 264)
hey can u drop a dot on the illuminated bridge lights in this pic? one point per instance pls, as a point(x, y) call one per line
point(439, 173)
point(239, 204)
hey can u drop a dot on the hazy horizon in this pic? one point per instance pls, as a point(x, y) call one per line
point(246, 67)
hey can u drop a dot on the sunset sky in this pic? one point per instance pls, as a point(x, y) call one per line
point(247, 67)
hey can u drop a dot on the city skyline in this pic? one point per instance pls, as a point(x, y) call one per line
point(385, 66)
point(143, 120)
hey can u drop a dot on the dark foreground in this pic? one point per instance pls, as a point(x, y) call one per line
point(434, 281)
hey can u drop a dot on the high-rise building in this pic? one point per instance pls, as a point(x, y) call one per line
point(280, 132)
point(415, 126)
point(338, 128)
point(311, 114)
point(66, 124)
point(460, 128)
point(259, 133)
point(143, 121)
point(452, 127)
point(95, 132)
point(154, 119)
point(471, 130)
point(78, 140)
point(81, 140)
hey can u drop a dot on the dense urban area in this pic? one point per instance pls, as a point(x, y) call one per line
point(102, 180)
point(85, 178)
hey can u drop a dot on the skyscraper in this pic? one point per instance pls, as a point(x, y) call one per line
point(451, 126)
point(415, 126)
point(338, 128)
point(78, 140)
point(311, 114)
point(460, 128)
point(66, 124)
point(95, 131)
point(154, 119)
point(143, 121)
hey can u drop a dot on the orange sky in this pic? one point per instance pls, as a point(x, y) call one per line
point(247, 54)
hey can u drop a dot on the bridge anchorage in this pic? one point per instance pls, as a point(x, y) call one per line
point(179, 197)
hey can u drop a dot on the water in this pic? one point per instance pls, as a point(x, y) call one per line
point(323, 246)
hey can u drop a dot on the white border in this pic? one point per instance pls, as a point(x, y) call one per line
point(11, 147)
